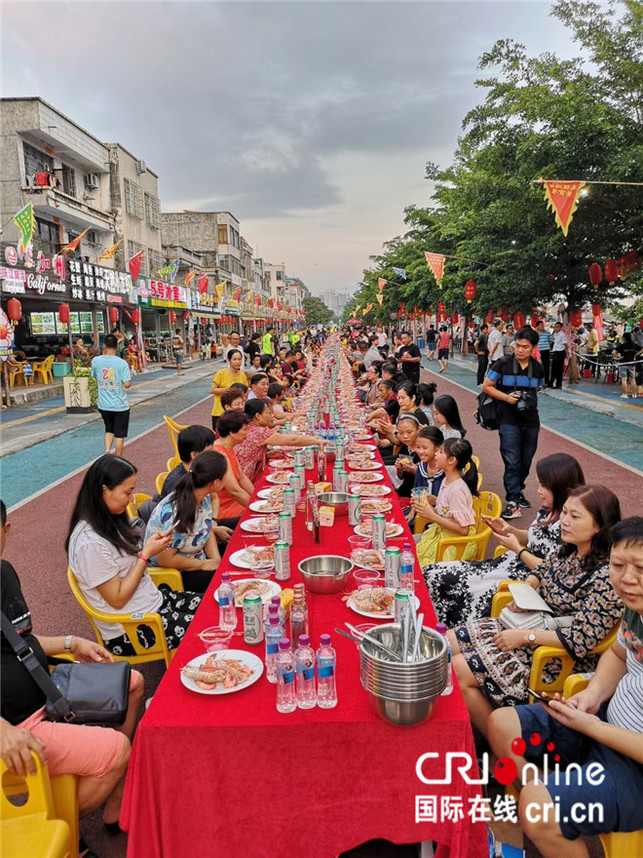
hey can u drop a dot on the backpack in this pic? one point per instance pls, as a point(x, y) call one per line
point(487, 414)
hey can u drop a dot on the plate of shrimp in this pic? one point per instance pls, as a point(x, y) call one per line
point(221, 672)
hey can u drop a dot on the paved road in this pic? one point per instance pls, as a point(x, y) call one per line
point(50, 469)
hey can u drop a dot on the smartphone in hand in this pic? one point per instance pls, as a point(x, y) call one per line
point(539, 697)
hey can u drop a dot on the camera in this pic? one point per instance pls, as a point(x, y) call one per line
point(527, 402)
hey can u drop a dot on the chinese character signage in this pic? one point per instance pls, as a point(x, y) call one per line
point(42, 275)
point(89, 282)
point(154, 293)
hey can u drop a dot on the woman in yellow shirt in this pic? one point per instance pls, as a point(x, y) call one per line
point(223, 379)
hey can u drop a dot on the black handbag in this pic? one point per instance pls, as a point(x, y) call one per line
point(77, 692)
point(487, 414)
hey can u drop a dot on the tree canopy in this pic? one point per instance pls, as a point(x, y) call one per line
point(541, 117)
point(317, 313)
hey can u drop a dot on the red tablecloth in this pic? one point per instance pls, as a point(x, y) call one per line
point(231, 777)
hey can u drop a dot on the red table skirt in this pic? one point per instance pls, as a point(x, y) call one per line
point(232, 777)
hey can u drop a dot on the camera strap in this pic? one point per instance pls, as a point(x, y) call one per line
point(530, 373)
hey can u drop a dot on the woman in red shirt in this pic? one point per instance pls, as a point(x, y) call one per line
point(237, 489)
point(444, 342)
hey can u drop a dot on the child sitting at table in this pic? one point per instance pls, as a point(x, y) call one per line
point(428, 475)
point(403, 470)
point(453, 511)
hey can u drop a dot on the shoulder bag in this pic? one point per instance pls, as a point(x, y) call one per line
point(76, 692)
point(487, 414)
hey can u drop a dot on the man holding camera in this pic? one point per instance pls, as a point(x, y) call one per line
point(514, 381)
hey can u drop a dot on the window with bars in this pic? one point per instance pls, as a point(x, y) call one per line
point(157, 260)
point(133, 247)
point(224, 261)
point(152, 212)
point(134, 199)
point(36, 161)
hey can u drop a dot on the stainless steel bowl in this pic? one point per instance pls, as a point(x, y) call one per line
point(401, 713)
point(325, 574)
point(339, 500)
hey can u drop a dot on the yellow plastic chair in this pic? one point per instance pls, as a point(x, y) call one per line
point(500, 550)
point(173, 463)
point(173, 428)
point(33, 828)
point(160, 650)
point(15, 374)
point(44, 369)
point(487, 503)
point(479, 539)
point(158, 482)
point(544, 654)
point(134, 504)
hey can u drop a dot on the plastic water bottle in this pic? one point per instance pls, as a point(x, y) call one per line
point(298, 616)
point(310, 497)
point(227, 609)
point(286, 689)
point(274, 634)
point(442, 629)
point(276, 601)
point(272, 610)
point(305, 668)
point(407, 567)
point(326, 664)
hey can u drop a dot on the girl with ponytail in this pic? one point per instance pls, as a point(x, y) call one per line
point(187, 511)
point(453, 513)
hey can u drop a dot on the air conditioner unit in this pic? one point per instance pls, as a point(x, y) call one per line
point(92, 181)
point(141, 167)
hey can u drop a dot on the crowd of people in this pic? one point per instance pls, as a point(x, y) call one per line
point(578, 554)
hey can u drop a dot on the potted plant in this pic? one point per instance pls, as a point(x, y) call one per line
point(81, 391)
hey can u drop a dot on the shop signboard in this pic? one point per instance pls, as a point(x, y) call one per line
point(42, 275)
point(6, 336)
point(81, 323)
point(91, 282)
point(42, 323)
point(154, 293)
point(205, 302)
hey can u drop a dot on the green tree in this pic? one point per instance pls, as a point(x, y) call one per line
point(317, 313)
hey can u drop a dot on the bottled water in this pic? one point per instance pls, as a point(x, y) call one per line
point(272, 609)
point(276, 601)
point(442, 629)
point(286, 691)
point(298, 616)
point(407, 567)
point(227, 609)
point(274, 634)
point(305, 668)
point(326, 664)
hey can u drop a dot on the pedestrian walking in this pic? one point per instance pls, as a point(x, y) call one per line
point(481, 350)
point(431, 337)
point(494, 342)
point(268, 342)
point(544, 346)
point(409, 358)
point(177, 349)
point(558, 352)
point(444, 343)
point(113, 377)
point(514, 381)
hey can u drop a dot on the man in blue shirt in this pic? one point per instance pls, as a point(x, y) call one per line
point(113, 377)
point(544, 346)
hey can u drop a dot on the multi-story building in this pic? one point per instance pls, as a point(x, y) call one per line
point(276, 277)
point(335, 301)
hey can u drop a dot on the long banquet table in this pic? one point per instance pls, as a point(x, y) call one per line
point(229, 776)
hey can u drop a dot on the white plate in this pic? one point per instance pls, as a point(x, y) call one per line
point(266, 493)
point(247, 658)
point(249, 525)
point(270, 589)
point(386, 506)
point(383, 490)
point(376, 616)
point(277, 479)
point(362, 445)
point(258, 506)
point(281, 464)
point(366, 465)
point(357, 477)
point(239, 560)
point(398, 530)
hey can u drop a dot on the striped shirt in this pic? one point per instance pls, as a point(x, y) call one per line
point(626, 706)
point(544, 341)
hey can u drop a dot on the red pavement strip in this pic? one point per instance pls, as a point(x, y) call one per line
point(39, 527)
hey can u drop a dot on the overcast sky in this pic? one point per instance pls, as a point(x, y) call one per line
point(310, 121)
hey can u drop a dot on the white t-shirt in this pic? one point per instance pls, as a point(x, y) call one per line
point(559, 342)
point(94, 561)
point(382, 339)
point(494, 344)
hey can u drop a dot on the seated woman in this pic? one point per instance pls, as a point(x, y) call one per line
point(373, 398)
point(446, 416)
point(452, 512)
point(407, 459)
point(251, 453)
point(276, 395)
point(223, 379)
point(187, 512)
point(232, 400)
point(492, 663)
point(463, 590)
point(105, 555)
point(425, 396)
point(237, 489)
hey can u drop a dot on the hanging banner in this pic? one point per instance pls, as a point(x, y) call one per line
point(401, 272)
point(382, 283)
point(380, 298)
point(26, 223)
point(134, 264)
point(435, 262)
point(202, 283)
point(562, 197)
point(74, 244)
point(190, 277)
point(109, 253)
point(218, 289)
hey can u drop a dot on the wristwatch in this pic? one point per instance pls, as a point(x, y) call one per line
point(531, 637)
point(68, 640)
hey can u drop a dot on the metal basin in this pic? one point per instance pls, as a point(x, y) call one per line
point(401, 713)
point(339, 500)
point(325, 574)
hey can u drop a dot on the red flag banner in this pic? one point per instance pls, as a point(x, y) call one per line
point(382, 283)
point(134, 264)
point(562, 197)
point(237, 294)
point(74, 244)
point(435, 262)
point(202, 283)
point(190, 277)
point(258, 300)
point(380, 298)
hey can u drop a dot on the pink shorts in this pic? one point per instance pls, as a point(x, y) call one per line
point(75, 749)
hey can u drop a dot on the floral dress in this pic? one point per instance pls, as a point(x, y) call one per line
point(190, 544)
point(462, 590)
point(569, 586)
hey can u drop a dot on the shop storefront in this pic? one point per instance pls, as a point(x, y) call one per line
point(162, 306)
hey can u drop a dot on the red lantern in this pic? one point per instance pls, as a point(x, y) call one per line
point(113, 315)
point(63, 313)
point(535, 318)
point(575, 318)
point(172, 317)
point(595, 275)
point(519, 321)
point(186, 316)
point(455, 318)
point(441, 308)
point(596, 309)
point(14, 310)
point(470, 290)
point(611, 271)
point(504, 315)
point(136, 316)
point(490, 317)
point(204, 321)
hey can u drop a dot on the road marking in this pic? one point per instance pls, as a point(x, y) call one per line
point(560, 434)
point(22, 420)
point(71, 474)
point(603, 399)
